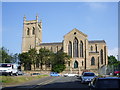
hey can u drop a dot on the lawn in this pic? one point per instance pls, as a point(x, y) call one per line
point(14, 80)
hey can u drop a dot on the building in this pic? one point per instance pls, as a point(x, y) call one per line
point(90, 55)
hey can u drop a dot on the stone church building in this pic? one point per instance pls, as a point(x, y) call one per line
point(86, 55)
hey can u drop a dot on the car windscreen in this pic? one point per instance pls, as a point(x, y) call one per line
point(88, 74)
point(108, 83)
point(5, 65)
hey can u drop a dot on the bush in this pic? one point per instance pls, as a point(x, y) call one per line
point(58, 68)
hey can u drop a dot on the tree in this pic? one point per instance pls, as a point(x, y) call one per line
point(4, 55)
point(112, 60)
point(58, 63)
point(25, 60)
point(44, 56)
point(33, 56)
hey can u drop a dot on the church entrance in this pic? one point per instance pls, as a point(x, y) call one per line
point(75, 64)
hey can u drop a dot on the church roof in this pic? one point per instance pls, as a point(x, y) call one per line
point(54, 43)
point(97, 41)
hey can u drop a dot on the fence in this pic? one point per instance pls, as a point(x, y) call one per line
point(108, 70)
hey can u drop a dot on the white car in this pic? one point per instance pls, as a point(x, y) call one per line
point(70, 75)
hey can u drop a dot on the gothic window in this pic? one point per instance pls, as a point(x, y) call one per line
point(75, 64)
point(57, 48)
point(33, 32)
point(81, 49)
point(82, 63)
point(75, 48)
point(101, 55)
point(91, 48)
point(28, 31)
point(70, 49)
point(92, 61)
point(51, 49)
point(96, 47)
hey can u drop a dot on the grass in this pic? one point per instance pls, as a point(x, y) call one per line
point(13, 80)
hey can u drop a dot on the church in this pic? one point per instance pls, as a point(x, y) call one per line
point(86, 55)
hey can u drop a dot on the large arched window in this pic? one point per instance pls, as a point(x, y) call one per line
point(92, 61)
point(81, 49)
point(33, 32)
point(70, 49)
point(75, 64)
point(28, 31)
point(101, 56)
point(75, 48)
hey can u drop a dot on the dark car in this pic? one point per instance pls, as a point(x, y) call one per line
point(105, 83)
point(34, 74)
point(87, 77)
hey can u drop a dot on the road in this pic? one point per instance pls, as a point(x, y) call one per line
point(50, 82)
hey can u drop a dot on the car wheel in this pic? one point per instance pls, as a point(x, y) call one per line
point(11, 74)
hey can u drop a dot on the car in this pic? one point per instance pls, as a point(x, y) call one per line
point(105, 83)
point(34, 74)
point(20, 73)
point(87, 77)
point(70, 75)
point(54, 74)
point(117, 72)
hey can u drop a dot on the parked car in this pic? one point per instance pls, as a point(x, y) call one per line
point(105, 83)
point(34, 74)
point(117, 72)
point(70, 75)
point(20, 73)
point(54, 74)
point(87, 77)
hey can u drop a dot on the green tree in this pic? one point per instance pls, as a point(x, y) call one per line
point(44, 56)
point(112, 60)
point(33, 56)
point(58, 63)
point(4, 56)
point(25, 60)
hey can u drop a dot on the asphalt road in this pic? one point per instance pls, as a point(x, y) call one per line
point(50, 82)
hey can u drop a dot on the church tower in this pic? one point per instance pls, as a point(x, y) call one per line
point(32, 34)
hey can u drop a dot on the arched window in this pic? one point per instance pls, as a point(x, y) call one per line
point(96, 47)
point(82, 63)
point(92, 61)
point(101, 56)
point(33, 32)
point(81, 49)
point(28, 31)
point(70, 49)
point(75, 64)
point(91, 48)
point(75, 48)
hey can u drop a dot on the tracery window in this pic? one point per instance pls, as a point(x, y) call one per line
point(75, 48)
point(81, 49)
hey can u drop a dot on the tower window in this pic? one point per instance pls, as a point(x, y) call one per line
point(28, 31)
point(33, 32)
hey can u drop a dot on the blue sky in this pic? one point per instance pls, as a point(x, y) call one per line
point(99, 20)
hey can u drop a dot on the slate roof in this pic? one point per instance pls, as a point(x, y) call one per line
point(97, 41)
point(54, 43)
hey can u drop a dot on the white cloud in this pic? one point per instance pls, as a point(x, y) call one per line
point(113, 52)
